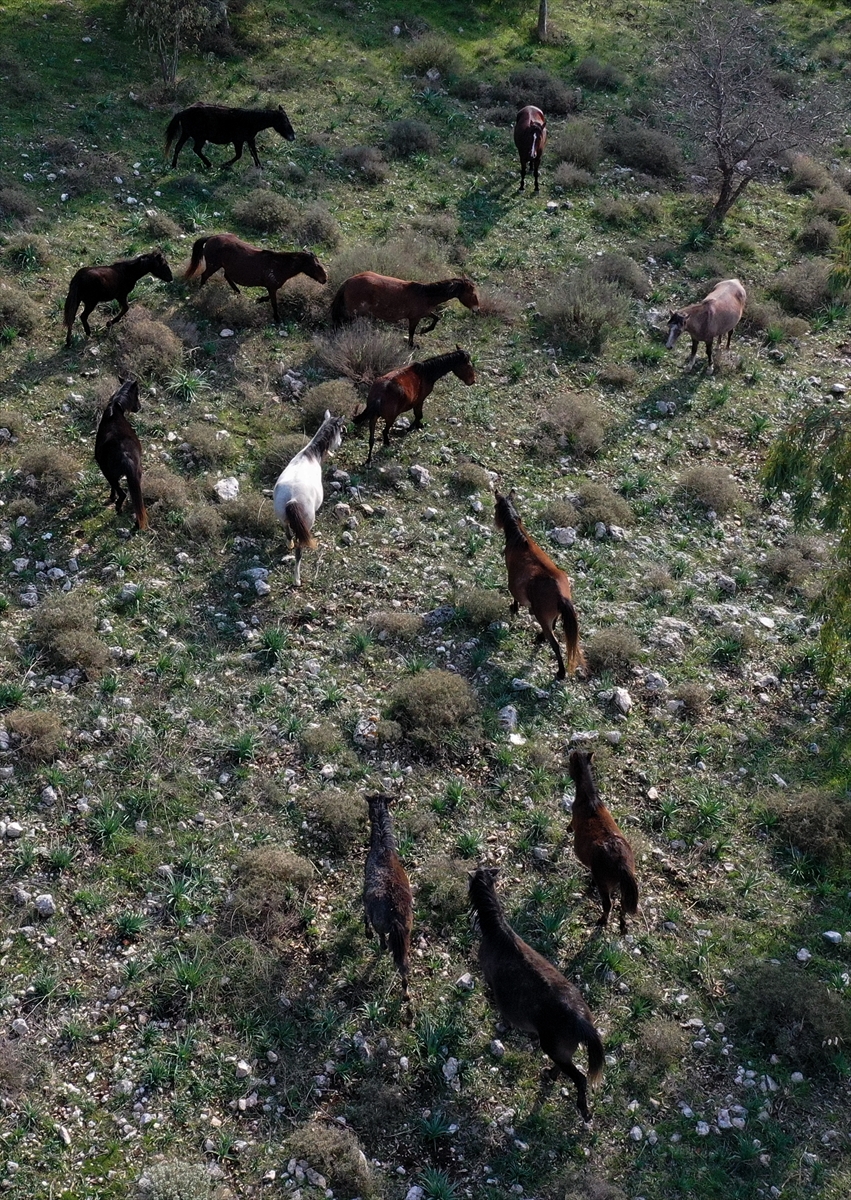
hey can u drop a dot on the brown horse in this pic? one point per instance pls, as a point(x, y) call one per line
point(252, 267)
point(118, 451)
point(599, 843)
point(714, 315)
point(407, 387)
point(387, 299)
point(530, 138)
point(531, 994)
point(97, 285)
point(535, 580)
point(216, 123)
point(387, 899)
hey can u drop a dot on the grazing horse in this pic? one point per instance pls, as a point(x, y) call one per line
point(118, 451)
point(530, 137)
point(298, 492)
point(387, 299)
point(407, 388)
point(252, 267)
point(216, 123)
point(531, 994)
point(535, 580)
point(97, 285)
point(599, 843)
point(714, 315)
point(387, 899)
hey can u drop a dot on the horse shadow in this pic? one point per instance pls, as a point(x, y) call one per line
point(480, 209)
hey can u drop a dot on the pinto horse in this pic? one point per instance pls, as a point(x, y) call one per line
point(530, 137)
point(531, 994)
point(252, 267)
point(714, 315)
point(599, 843)
point(97, 285)
point(220, 125)
point(535, 580)
point(407, 387)
point(298, 492)
point(387, 299)
point(118, 451)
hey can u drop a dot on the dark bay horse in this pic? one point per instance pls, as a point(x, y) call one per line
point(531, 994)
point(407, 387)
point(530, 137)
point(216, 123)
point(535, 580)
point(387, 299)
point(298, 493)
point(599, 843)
point(118, 451)
point(252, 267)
point(387, 898)
point(97, 285)
point(714, 315)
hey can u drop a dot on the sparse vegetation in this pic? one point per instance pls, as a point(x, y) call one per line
point(711, 488)
point(434, 705)
point(39, 733)
point(581, 312)
point(615, 650)
point(361, 351)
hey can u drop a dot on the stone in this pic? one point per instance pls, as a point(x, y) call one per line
point(497, 1049)
point(621, 700)
point(45, 905)
point(19, 1027)
point(726, 583)
point(636, 1133)
point(832, 936)
point(14, 830)
point(261, 587)
point(243, 1069)
point(508, 717)
point(20, 896)
point(600, 531)
point(466, 982)
point(227, 488)
point(701, 1129)
point(654, 682)
point(563, 535)
point(49, 795)
point(803, 955)
point(128, 592)
point(420, 476)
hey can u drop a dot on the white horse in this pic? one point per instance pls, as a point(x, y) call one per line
point(298, 493)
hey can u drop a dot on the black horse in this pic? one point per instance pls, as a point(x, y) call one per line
point(216, 123)
point(97, 285)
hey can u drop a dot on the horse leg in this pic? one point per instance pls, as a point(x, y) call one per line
point(606, 901)
point(273, 299)
point(412, 328)
point(238, 148)
point(522, 174)
point(710, 368)
point(253, 150)
point(231, 284)
point(536, 164)
point(564, 1062)
point(84, 317)
point(297, 576)
point(373, 421)
point(418, 415)
point(433, 318)
point(121, 497)
point(122, 300)
point(693, 359)
point(729, 335)
point(198, 144)
point(553, 641)
point(388, 425)
point(181, 142)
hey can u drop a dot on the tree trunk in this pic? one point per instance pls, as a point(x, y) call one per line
point(543, 13)
point(728, 194)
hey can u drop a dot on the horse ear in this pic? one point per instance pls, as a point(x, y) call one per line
point(512, 496)
point(327, 416)
point(457, 347)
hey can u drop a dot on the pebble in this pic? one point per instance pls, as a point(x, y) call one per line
point(832, 936)
point(243, 1069)
point(14, 830)
point(636, 1133)
point(19, 1027)
point(420, 476)
point(508, 717)
point(563, 535)
point(45, 905)
point(701, 1129)
point(803, 955)
point(466, 982)
point(497, 1049)
point(227, 488)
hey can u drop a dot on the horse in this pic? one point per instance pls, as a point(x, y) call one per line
point(118, 451)
point(530, 138)
point(387, 898)
point(535, 580)
point(98, 285)
point(407, 387)
point(531, 994)
point(387, 299)
point(298, 492)
point(251, 266)
point(599, 843)
point(714, 315)
point(221, 125)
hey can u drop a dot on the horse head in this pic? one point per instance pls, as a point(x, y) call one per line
point(465, 370)
point(127, 397)
point(281, 124)
point(314, 269)
point(676, 325)
point(467, 294)
point(159, 268)
point(579, 761)
point(486, 876)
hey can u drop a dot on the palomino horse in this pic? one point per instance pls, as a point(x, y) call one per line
point(714, 315)
point(216, 123)
point(535, 580)
point(387, 299)
point(298, 492)
point(530, 137)
point(118, 451)
point(387, 899)
point(252, 267)
point(407, 387)
point(599, 843)
point(531, 994)
point(97, 285)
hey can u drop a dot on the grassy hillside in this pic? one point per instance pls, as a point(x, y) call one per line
point(186, 991)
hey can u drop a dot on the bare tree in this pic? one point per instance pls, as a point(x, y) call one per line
point(543, 19)
point(725, 87)
point(168, 26)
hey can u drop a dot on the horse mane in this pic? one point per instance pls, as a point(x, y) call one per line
point(579, 765)
point(441, 289)
point(322, 440)
point(436, 365)
point(509, 522)
point(382, 825)
point(486, 905)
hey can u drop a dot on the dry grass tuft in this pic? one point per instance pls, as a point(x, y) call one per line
point(338, 818)
point(209, 444)
point(621, 270)
point(395, 626)
point(616, 375)
point(26, 252)
point(473, 156)
point(597, 75)
point(430, 52)
point(219, 304)
point(534, 85)
point(204, 524)
point(766, 316)
point(805, 288)
point(571, 425)
point(694, 697)
point(571, 178)
point(147, 349)
point(806, 174)
point(406, 138)
point(63, 628)
point(251, 515)
point(482, 607)
point(596, 502)
point(271, 883)
point(660, 1044)
point(17, 311)
point(337, 396)
point(794, 564)
point(364, 162)
point(321, 740)
point(266, 211)
point(578, 142)
point(361, 351)
point(819, 235)
point(816, 823)
point(645, 149)
point(337, 1154)
point(164, 491)
point(560, 514)
point(711, 488)
point(443, 885)
point(16, 205)
point(40, 733)
point(54, 469)
point(434, 704)
point(580, 312)
point(615, 650)
point(159, 227)
point(468, 478)
point(414, 257)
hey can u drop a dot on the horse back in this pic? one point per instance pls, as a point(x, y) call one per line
point(528, 990)
point(381, 296)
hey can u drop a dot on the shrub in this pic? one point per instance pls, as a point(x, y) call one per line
point(578, 142)
point(63, 627)
point(580, 312)
point(320, 740)
point(819, 235)
point(279, 450)
point(433, 704)
point(482, 607)
point(596, 503)
point(766, 316)
point(413, 257)
point(817, 823)
point(203, 524)
point(794, 563)
point(615, 210)
point(572, 179)
point(533, 85)
point(499, 114)
point(560, 514)
point(221, 306)
point(164, 491)
point(467, 87)
point(469, 477)
point(316, 227)
point(17, 310)
point(496, 302)
point(159, 226)
point(266, 211)
point(388, 733)
point(805, 288)
point(26, 252)
point(790, 1013)
point(599, 76)
point(644, 149)
point(146, 348)
point(406, 138)
point(711, 487)
point(40, 733)
point(13, 1068)
point(621, 270)
point(16, 205)
point(833, 202)
point(175, 1180)
point(571, 425)
point(337, 1154)
point(430, 52)
point(55, 470)
point(806, 174)
point(661, 1042)
point(616, 376)
point(443, 884)
point(615, 650)
point(251, 515)
point(271, 882)
point(337, 396)
point(365, 161)
point(338, 817)
point(473, 156)
point(14, 421)
point(209, 444)
point(361, 351)
point(395, 626)
point(694, 699)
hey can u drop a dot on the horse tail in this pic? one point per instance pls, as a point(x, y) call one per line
point(400, 949)
point(591, 1039)
point(339, 313)
point(195, 260)
point(571, 632)
point(360, 417)
point(295, 519)
point(629, 890)
point(173, 130)
point(72, 303)
point(134, 487)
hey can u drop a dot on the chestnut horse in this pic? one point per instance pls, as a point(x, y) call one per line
point(118, 451)
point(298, 493)
point(535, 580)
point(407, 387)
point(714, 315)
point(530, 137)
point(98, 285)
point(599, 843)
point(387, 299)
point(252, 267)
point(216, 123)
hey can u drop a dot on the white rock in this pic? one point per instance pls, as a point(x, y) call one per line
point(243, 1069)
point(563, 535)
point(466, 981)
point(19, 1027)
point(225, 333)
point(654, 682)
point(803, 955)
point(831, 935)
point(796, 1077)
point(227, 488)
point(621, 700)
point(636, 1133)
point(701, 1129)
point(496, 1048)
point(508, 717)
point(600, 531)
point(49, 795)
point(14, 830)
point(420, 476)
point(261, 587)
point(45, 905)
